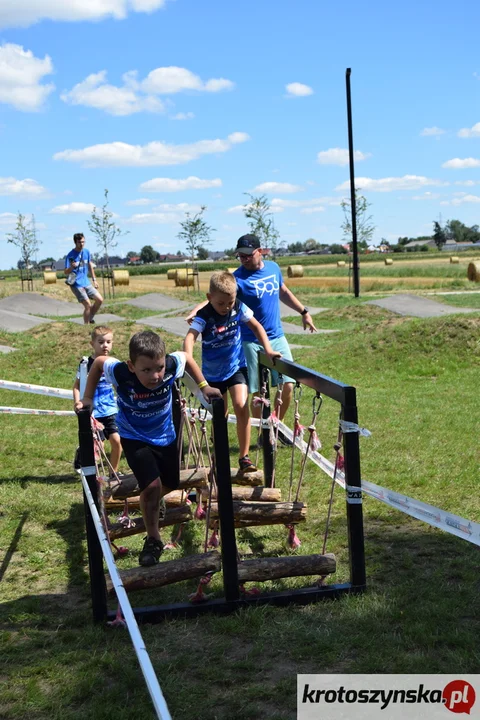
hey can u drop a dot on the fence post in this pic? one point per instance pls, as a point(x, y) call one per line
point(95, 556)
point(267, 447)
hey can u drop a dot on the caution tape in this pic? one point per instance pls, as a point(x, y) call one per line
point(30, 411)
point(36, 389)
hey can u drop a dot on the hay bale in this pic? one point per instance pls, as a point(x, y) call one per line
point(388, 261)
point(231, 270)
point(172, 274)
point(121, 277)
point(295, 271)
point(473, 272)
point(341, 263)
point(49, 277)
point(454, 259)
point(184, 278)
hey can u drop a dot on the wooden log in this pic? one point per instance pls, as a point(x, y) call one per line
point(128, 487)
point(133, 503)
point(172, 499)
point(265, 513)
point(171, 571)
point(249, 479)
point(259, 494)
point(271, 568)
point(173, 516)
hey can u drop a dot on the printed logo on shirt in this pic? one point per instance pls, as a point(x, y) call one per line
point(267, 285)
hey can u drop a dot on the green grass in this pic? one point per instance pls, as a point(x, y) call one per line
point(416, 387)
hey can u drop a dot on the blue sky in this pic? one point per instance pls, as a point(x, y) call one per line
point(171, 104)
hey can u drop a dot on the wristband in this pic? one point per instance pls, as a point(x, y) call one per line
point(203, 384)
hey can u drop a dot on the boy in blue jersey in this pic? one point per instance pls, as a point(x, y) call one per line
point(77, 263)
point(223, 360)
point(104, 403)
point(144, 397)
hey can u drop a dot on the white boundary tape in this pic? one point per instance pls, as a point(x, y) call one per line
point(141, 651)
point(36, 389)
point(29, 411)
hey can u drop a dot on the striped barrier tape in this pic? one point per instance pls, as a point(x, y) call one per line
point(36, 389)
point(30, 411)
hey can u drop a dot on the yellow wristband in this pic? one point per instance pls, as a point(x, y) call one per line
point(203, 384)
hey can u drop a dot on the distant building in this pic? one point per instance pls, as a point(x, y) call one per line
point(420, 243)
point(452, 246)
point(216, 256)
point(113, 262)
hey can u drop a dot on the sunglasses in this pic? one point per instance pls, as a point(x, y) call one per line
point(242, 256)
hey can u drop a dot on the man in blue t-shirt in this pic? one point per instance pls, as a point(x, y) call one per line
point(77, 263)
point(260, 286)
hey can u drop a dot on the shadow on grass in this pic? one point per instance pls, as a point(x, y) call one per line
point(72, 532)
point(25, 480)
point(13, 545)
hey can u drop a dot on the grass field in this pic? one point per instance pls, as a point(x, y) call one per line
point(416, 387)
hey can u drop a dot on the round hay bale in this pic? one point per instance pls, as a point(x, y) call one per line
point(231, 270)
point(341, 263)
point(473, 272)
point(184, 278)
point(121, 277)
point(295, 271)
point(49, 277)
point(388, 261)
point(172, 274)
point(454, 260)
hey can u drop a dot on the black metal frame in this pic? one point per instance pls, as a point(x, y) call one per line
point(232, 600)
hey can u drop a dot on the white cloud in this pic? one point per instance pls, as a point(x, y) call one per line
point(427, 196)
point(461, 163)
point(95, 92)
point(467, 183)
point(170, 80)
point(466, 199)
point(432, 131)
point(177, 208)
point(27, 187)
point(21, 75)
point(310, 210)
point(174, 185)
point(22, 13)
point(407, 182)
point(277, 187)
point(163, 245)
point(8, 219)
point(339, 156)
point(140, 201)
point(297, 89)
point(313, 202)
point(241, 208)
point(154, 218)
point(73, 208)
point(119, 154)
point(183, 116)
point(470, 132)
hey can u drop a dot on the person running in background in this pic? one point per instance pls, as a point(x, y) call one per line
point(77, 263)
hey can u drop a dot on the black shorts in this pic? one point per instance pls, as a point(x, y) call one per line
point(109, 426)
point(238, 378)
point(148, 462)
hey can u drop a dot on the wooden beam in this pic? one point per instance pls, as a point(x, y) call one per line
point(271, 568)
point(128, 486)
point(259, 494)
point(173, 516)
point(265, 513)
point(168, 572)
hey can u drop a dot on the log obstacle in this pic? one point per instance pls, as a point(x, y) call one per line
point(171, 571)
point(388, 261)
point(249, 479)
point(454, 260)
point(190, 478)
point(171, 274)
point(294, 271)
point(272, 568)
point(49, 277)
point(258, 494)
point(473, 272)
point(121, 277)
point(173, 516)
point(248, 513)
point(184, 278)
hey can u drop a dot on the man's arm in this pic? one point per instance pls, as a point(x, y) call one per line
point(92, 273)
point(189, 341)
point(94, 375)
point(195, 310)
point(259, 332)
point(287, 297)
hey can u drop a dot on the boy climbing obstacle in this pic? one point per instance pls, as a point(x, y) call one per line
point(223, 360)
point(104, 408)
point(144, 396)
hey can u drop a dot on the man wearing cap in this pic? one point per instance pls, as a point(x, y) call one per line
point(260, 286)
point(77, 263)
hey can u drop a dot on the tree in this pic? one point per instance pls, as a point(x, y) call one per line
point(439, 235)
point(460, 232)
point(131, 254)
point(296, 247)
point(260, 220)
point(365, 226)
point(337, 249)
point(47, 261)
point(195, 232)
point(311, 244)
point(25, 238)
point(105, 230)
point(202, 253)
point(148, 254)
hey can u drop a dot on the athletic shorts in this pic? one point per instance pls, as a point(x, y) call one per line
point(148, 462)
point(83, 293)
point(238, 378)
point(251, 354)
point(109, 426)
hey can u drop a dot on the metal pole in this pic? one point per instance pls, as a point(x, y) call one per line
point(353, 204)
point(98, 587)
point(267, 447)
point(225, 501)
point(353, 489)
